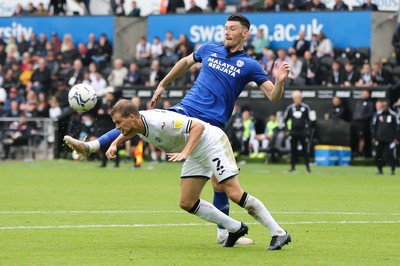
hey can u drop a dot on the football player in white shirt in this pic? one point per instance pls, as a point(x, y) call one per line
point(206, 151)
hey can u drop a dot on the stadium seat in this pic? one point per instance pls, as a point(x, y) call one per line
point(342, 59)
point(326, 61)
point(349, 51)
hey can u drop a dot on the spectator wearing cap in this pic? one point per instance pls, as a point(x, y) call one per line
point(12, 96)
point(41, 78)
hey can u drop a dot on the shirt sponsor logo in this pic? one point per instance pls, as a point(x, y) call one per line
point(223, 67)
point(177, 124)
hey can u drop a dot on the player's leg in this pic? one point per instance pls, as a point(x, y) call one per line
point(190, 201)
point(305, 153)
point(257, 210)
point(221, 202)
point(379, 158)
point(293, 152)
point(84, 149)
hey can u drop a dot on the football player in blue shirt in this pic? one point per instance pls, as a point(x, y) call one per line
point(226, 70)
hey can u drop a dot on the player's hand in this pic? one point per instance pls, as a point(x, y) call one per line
point(111, 153)
point(281, 72)
point(157, 95)
point(176, 157)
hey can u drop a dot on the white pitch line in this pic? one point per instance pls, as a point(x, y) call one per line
point(89, 226)
point(180, 212)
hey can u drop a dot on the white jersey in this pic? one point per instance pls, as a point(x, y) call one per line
point(169, 131)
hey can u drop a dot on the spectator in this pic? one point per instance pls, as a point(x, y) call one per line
point(26, 74)
point(295, 65)
point(396, 43)
point(104, 51)
point(268, 59)
point(245, 7)
point(268, 6)
point(183, 39)
point(42, 109)
point(338, 111)
point(352, 74)
point(41, 77)
point(249, 134)
point(174, 4)
point(192, 75)
point(98, 83)
point(267, 140)
point(143, 49)
point(117, 7)
point(12, 97)
point(16, 68)
point(3, 54)
point(58, 7)
point(87, 6)
point(65, 45)
point(182, 51)
point(315, 5)
point(75, 75)
point(325, 47)
point(194, 9)
point(314, 43)
point(362, 116)
point(169, 46)
point(156, 75)
point(380, 76)
point(340, 6)
point(92, 45)
point(259, 43)
point(55, 110)
point(220, 7)
point(368, 5)
point(52, 65)
point(133, 76)
point(365, 77)
point(62, 95)
point(13, 111)
point(33, 45)
point(23, 44)
point(18, 136)
point(9, 81)
point(12, 44)
point(336, 76)
point(29, 107)
point(31, 10)
point(69, 54)
point(56, 43)
point(135, 12)
point(282, 56)
point(41, 11)
point(117, 75)
point(156, 49)
point(19, 11)
point(293, 5)
point(298, 123)
point(84, 54)
point(301, 45)
point(41, 45)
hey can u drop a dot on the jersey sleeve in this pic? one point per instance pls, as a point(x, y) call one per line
point(198, 54)
point(258, 74)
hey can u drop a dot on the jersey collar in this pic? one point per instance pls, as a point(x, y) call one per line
point(229, 54)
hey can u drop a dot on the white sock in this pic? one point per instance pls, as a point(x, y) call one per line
point(259, 212)
point(93, 145)
point(154, 156)
point(208, 212)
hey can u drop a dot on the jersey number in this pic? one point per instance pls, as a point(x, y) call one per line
point(220, 168)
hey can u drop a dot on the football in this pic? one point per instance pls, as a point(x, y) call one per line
point(82, 98)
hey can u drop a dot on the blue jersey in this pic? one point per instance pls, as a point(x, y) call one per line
point(220, 82)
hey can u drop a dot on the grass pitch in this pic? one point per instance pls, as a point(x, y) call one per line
point(74, 213)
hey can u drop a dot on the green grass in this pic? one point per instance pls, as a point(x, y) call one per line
point(74, 213)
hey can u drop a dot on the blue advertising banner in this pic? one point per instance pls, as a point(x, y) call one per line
point(343, 28)
point(78, 27)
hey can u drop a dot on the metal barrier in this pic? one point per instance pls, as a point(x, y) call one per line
point(39, 142)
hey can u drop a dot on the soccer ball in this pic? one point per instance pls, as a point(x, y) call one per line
point(82, 98)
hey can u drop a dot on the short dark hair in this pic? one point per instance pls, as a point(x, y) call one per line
point(240, 18)
point(125, 108)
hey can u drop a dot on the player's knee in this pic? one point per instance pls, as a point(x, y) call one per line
point(187, 204)
point(234, 194)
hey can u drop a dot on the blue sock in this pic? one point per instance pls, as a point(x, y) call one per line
point(106, 139)
point(221, 202)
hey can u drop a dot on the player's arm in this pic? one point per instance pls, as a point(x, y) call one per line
point(181, 67)
point(274, 91)
point(196, 130)
point(111, 153)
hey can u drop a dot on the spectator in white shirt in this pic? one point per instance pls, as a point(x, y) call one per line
point(143, 49)
point(117, 75)
point(156, 49)
point(295, 66)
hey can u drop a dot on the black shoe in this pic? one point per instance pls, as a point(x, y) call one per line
point(379, 173)
point(392, 173)
point(308, 169)
point(233, 237)
point(277, 242)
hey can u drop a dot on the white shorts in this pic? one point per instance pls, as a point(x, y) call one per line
point(214, 156)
